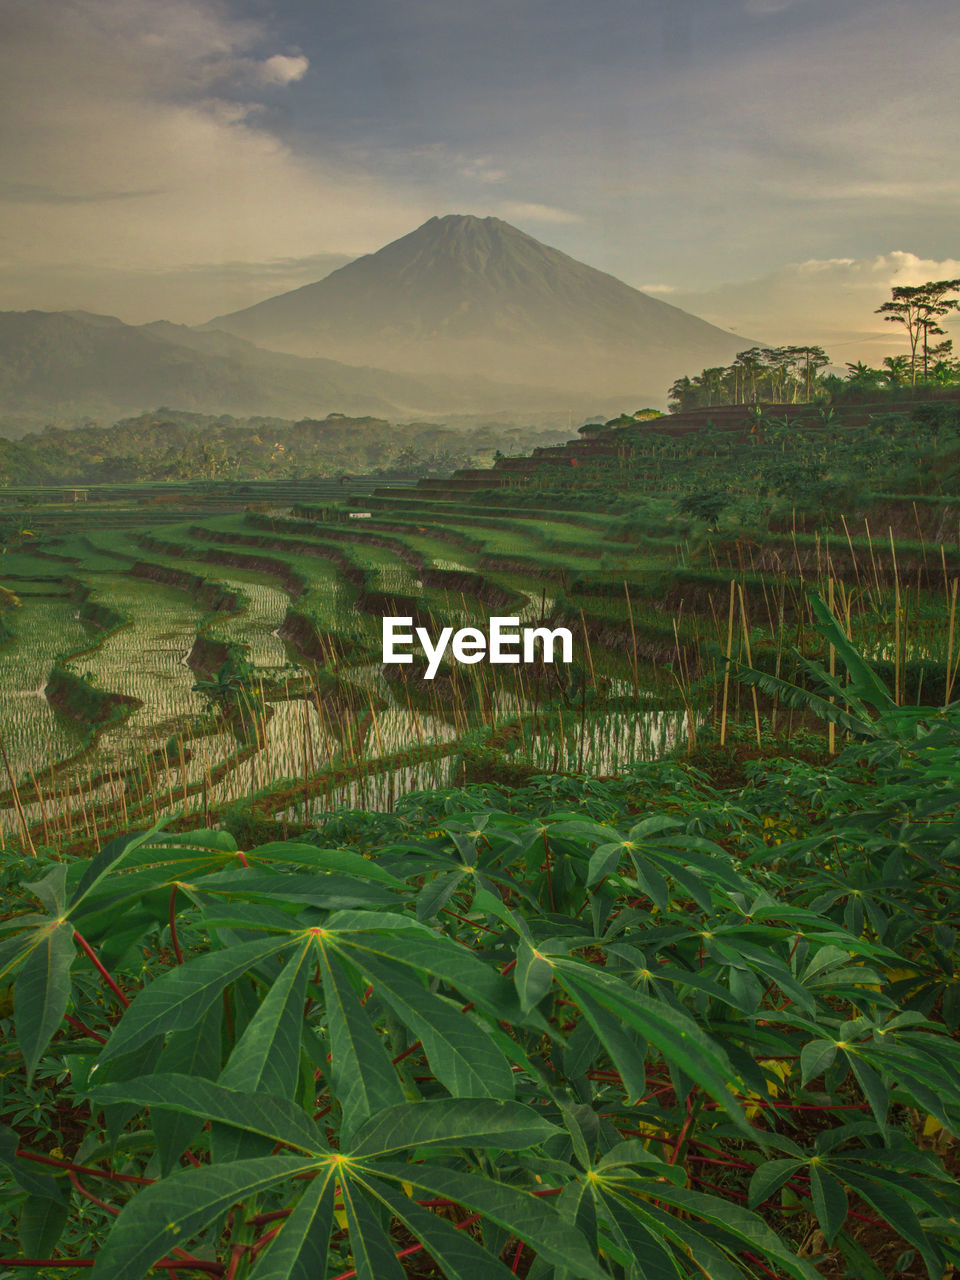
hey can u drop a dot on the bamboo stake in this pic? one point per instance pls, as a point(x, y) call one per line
point(831, 727)
point(633, 638)
point(896, 622)
point(746, 640)
point(950, 636)
point(16, 800)
point(43, 808)
point(853, 554)
point(726, 673)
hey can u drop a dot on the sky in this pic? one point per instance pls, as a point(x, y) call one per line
point(773, 165)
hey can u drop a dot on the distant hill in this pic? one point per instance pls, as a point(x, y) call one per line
point(471, 295)
point(60, 367)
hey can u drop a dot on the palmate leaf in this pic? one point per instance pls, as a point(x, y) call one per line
point(300, 1250)
point(341, 861)
point(172, 1212)
point(526, 1216)
point(829, 1201)
point(42, 991)
point(462, 1056)
point(374, 1256)
point(439, 957)
point(456, 1252)
point(452, 1122)
point(259, 1113)
point(193, 1052)
point(682, 1042)
point(181, 996)
point(41, 1225)
point(362, 1077)
point(267, 1055)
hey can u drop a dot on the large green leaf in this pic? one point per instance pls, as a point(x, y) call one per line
point(682, 1042)
point(452, 1122)
point(533, 976)
point(170, 1213)
point(42, 991)
point(456, 1252)
point(193, 1052)
point(363, 1079)
point(267, 1055)
point(181, 996)
point(374, 1255)
point(803, 699)
point(525, 1216)
point(41, 1225)
point(864, 681)
point(266, 1058)
point(441, 958)
point(621, 1046)
point(52, 889)
point(300, 1250)
point(769, 1177)
point(273, 1118)
point(461, 1054)
point(327, 891)
point(829, 1201)
point(342, 861)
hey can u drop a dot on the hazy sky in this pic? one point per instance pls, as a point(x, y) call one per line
point(772, 164)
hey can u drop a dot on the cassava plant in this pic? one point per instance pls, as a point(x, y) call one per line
point(629, 1029)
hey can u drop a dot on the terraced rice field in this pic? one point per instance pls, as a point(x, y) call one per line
point(295, 714)
point(34, 735)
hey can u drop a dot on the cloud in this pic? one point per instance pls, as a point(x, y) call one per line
point(523, 211)
point(284, 68)
point(765, 8)
point(831, 301)
point(193, 292)
point(482, 169)
point(135, 141)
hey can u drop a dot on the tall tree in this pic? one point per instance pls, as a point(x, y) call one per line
point(918, 308)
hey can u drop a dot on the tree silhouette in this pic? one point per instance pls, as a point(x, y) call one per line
point(919, 308)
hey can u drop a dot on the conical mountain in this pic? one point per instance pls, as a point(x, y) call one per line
point(468, 295)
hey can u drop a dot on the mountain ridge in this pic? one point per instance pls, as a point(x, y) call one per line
point(62, 366)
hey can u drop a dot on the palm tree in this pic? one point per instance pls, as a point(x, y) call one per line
point(897, 370)
point(862, 375)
